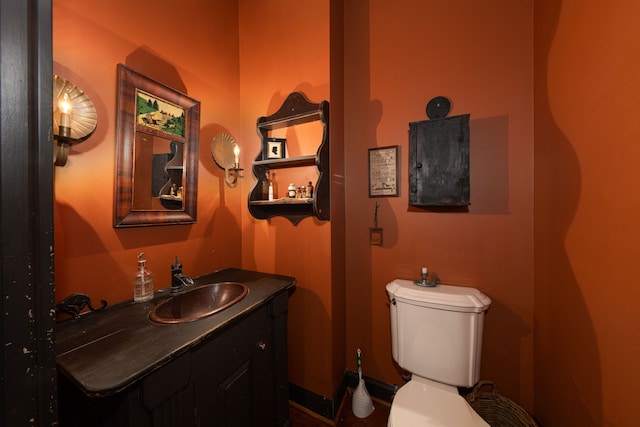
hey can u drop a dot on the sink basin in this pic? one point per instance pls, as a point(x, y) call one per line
point(199, 302)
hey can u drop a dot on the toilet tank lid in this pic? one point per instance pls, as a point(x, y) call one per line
point(444, 297)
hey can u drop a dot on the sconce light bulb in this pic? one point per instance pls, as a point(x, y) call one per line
point(65, 111)
point(236, 153)
point(65, 105)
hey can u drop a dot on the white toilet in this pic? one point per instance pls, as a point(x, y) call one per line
point(436, 334)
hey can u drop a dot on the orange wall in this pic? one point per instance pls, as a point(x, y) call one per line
point(586, 205)
point(396, 58)
point(205, 50)
point(399, 55)
point(285, 47)
point(186, 46)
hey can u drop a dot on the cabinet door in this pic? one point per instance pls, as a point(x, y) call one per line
point(163, 399)
point(234, 377)
point(166, 396)
point(439, 162)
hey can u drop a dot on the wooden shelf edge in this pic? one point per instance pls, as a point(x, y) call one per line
point(298, 119)
point(291, 162)
point(282, 201)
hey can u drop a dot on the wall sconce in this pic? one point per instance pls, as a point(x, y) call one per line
point(74, 117)
point(226, 153)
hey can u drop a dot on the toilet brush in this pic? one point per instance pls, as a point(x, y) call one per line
point(361, 403)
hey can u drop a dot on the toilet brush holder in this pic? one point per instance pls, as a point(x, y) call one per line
point(361, 403)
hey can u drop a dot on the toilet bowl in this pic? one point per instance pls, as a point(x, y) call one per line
point(422, 402)
point(436, 335)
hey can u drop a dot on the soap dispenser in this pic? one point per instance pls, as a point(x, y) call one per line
point(143, 281)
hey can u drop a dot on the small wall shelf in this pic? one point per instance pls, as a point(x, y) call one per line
point(295, 110)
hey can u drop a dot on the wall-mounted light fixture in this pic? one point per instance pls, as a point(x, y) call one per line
point(74, 117)
point(226, 153)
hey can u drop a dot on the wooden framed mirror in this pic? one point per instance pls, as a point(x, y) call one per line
point(156, 153)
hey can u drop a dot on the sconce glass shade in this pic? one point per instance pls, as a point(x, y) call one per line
point(225, 152)
point(74, 125)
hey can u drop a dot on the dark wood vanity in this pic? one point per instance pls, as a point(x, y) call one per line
point(118, 368)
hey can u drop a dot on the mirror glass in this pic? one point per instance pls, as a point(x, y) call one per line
point(159, 170)
point(156, 153)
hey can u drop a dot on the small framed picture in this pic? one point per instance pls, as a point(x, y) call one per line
point(383, 171)
point(275, 148)
point(375, 236)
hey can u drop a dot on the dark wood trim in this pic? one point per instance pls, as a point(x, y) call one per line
point(319, 404)
point(27, 358)
point(329, 408)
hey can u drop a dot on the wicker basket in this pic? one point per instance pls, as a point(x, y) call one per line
point(496, 409)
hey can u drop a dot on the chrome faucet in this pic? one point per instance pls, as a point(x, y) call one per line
point(178, 280)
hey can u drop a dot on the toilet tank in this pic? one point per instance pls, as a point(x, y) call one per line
point(436, 333)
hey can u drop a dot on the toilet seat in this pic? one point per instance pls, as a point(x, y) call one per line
point(422, 402)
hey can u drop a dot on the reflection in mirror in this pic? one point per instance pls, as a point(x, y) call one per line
point(159, 170)
point(157, 153)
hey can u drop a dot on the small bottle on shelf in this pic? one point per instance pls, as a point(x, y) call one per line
point(266, 187)
point(274, 185)
point(310, 189)
point(291, 191)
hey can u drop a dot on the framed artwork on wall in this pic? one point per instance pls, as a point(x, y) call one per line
point(275, 148)
point(156, 153)
point(158, 116)
point(375, 236)
point(383, 171)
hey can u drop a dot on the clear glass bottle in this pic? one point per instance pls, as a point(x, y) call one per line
point(267, 187)
point(142, 282)
point(274, 185)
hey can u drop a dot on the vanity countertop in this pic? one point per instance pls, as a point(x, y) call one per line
point(104, 352)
